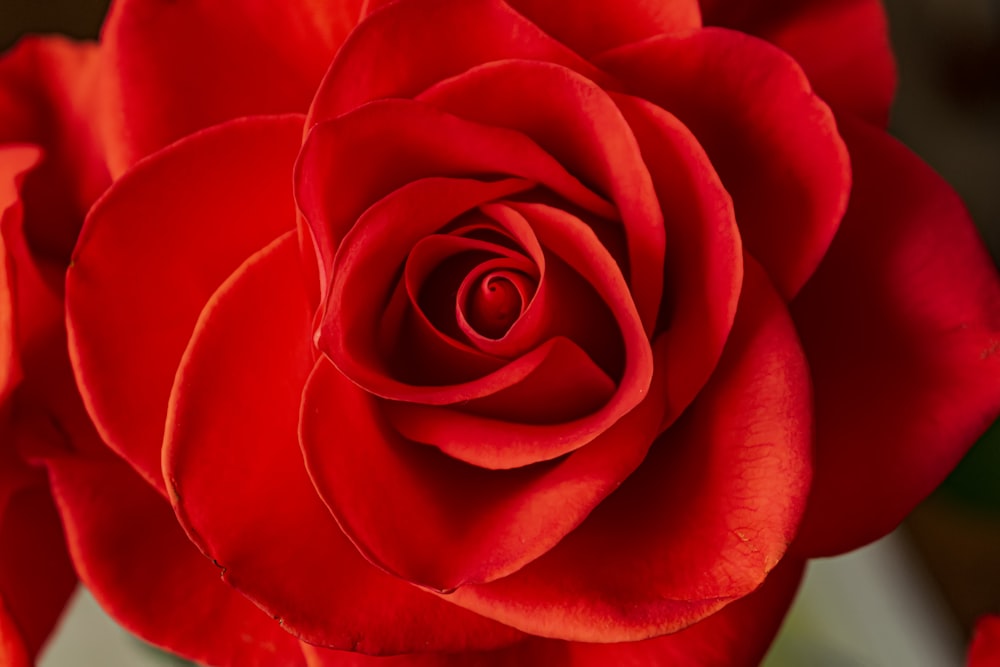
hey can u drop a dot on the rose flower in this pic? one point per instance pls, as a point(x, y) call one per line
point(543, 337)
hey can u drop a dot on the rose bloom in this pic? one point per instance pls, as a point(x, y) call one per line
point(494, 333)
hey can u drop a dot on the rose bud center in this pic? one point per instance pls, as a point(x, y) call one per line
point(497, 302)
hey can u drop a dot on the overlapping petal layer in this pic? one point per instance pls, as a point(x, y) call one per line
point(855, 75)
point(134, 290)
point(737, 635)
point(236, 60)
point(701, 522)
point(120, 531)
point(239, 485)
point(760, 111)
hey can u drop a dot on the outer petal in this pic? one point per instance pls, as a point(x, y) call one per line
point(36, 577)
point(177, 67)
point(702, 521)
point(901, 325)
point(737, 636)
point(152, 252)
point(854, 75)
point(48, 97)
point(408, 31)
point(12, 649)
point(759, 110)
point(241, 490)
point(597, 25)
point(140, 566)
point(985, 648)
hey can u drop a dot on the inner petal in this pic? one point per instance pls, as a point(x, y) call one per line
point(490, 303)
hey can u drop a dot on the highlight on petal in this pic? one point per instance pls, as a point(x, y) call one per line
point(238, 59)
point(239, 485)
point(702, 521)
point(152, 251)
point(856, 75)
point(760, 110)
point(901, 325)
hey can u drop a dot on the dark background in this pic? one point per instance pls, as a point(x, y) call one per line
point(948, 111)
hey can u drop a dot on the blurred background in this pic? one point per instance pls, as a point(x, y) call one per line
point(910, 599)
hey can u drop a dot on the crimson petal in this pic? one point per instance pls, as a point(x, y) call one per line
point(854, 75)
point(241, 490)
point(237, 59)
point(578, 123)
point(759, 110)
point(121, 532)
point(901, 325)
point(398, 52)
point(702, 521)
point(152, 251)
point(349, 163)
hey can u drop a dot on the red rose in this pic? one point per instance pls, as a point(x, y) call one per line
point(556, 332)
point(50, 172)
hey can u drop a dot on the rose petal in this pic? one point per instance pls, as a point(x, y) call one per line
point(499, 443)
point(704, 259)
point(36, 577)
point(983, 652)
point(349, 163)
point(141, 568)
point(235, 60)
point(578, 123)
point(241, 490)
point(13, 652)
point(15, 162)
point(49, 96)
point(597, 25)
point(367, 266)
point(901, 325)
point(856, 74)
point(704, 519)
point(398, 51)
point(151, 253)
point(436, 521)
point(759, 111)
point(738, 635)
